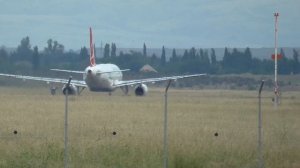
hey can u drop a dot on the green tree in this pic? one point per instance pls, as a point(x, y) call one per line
point(121, 54)
point(49, 48)
point(247, 59)
point(237, 62)
point(174, 56)
point(3, 59)
point(3, 55)
point(24, 52)
point(204, 62)
point(201, 51)
point(213, 57)
point(227, 61)
point(53, 53)
point(144, 50)
point(59, 49)
point(296, 63)
point(262, 66)
point(113, 50)
point(206, 57)
point(106, 51)
point(54, 48)
point(35, 59)
point(163, 57)
point(192, 53)
point(185, 55)
point(133, 60)
point(84, 53)
point(22, 57)
point(154, 61)
point(283, 64)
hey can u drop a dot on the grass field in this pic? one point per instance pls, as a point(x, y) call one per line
point(194, 118)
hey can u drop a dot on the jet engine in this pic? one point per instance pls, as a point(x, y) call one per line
point(141, 90)
point(72, 90)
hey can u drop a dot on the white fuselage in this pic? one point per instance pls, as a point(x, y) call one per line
point(102, 77)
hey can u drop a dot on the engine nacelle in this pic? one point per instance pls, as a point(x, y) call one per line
point(71, 91)
point(141, 90)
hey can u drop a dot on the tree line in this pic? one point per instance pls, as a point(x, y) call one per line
point(28, 59)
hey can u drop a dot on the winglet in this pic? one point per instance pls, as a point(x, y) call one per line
point(92, 55)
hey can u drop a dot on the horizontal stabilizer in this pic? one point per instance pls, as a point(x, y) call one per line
point(122, 70)
point(64, 70)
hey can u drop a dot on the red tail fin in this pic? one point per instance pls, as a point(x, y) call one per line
point(92, 56)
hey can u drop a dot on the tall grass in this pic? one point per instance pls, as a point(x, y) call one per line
point(195, 116)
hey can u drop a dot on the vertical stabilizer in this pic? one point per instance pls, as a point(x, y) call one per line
point(92, 55)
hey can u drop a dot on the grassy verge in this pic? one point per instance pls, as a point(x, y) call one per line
point(195, 116)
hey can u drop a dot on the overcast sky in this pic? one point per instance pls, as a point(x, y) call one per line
point(130, 23)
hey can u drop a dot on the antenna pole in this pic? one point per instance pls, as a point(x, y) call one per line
point(276, 89)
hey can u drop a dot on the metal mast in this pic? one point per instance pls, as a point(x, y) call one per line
point(276, 89)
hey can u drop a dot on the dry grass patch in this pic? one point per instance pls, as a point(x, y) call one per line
point(194, 118)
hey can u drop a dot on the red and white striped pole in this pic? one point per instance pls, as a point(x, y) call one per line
point(276, 89)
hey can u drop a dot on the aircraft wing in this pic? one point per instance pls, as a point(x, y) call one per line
point(150, 80)
point(54, 80)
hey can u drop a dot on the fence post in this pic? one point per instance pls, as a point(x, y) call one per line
point(166, 126)
point(260, 155)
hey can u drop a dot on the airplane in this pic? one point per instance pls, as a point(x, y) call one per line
point(100, 78)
